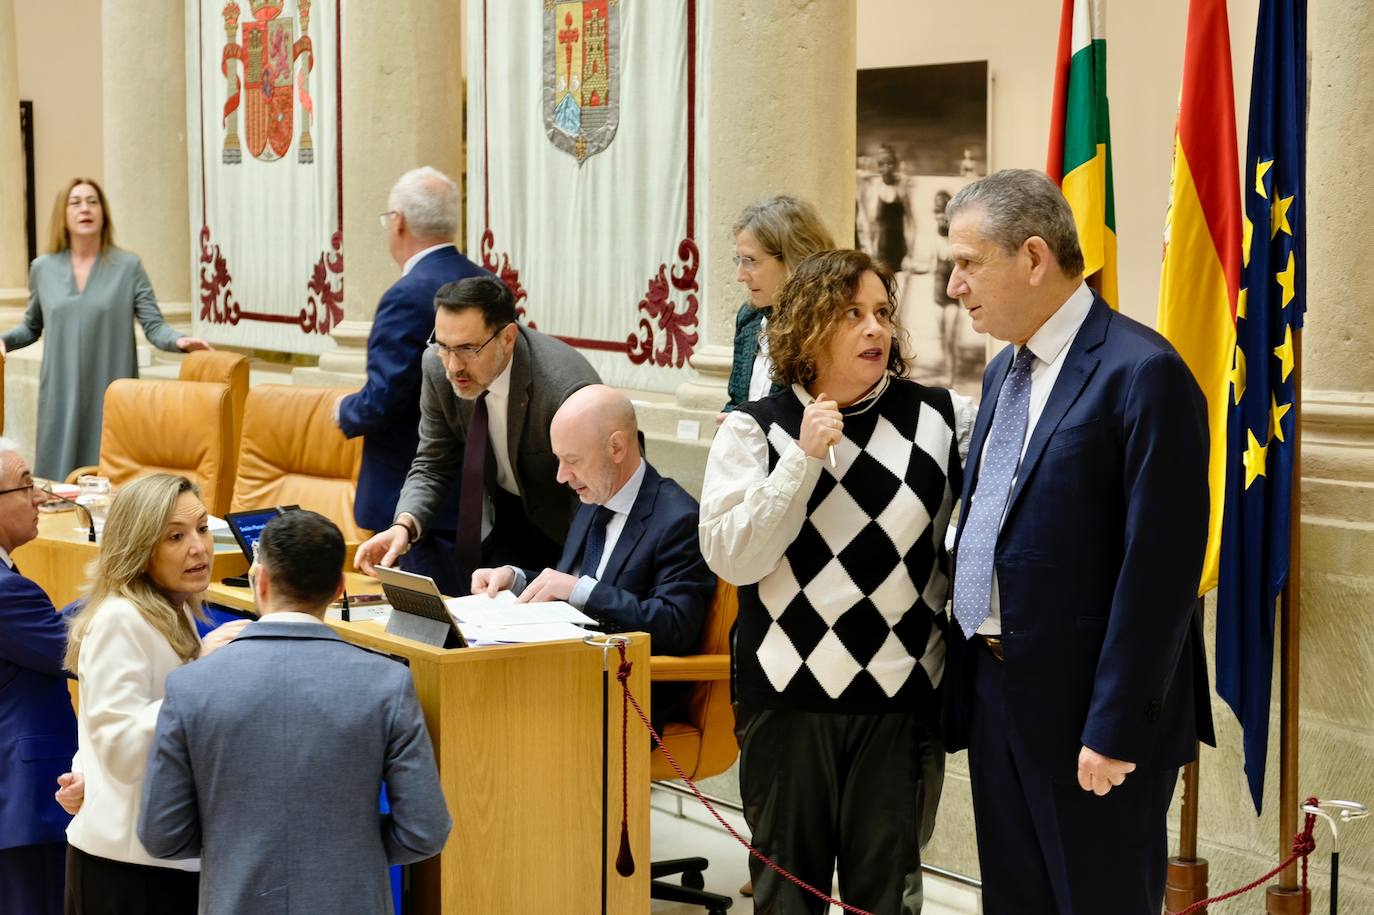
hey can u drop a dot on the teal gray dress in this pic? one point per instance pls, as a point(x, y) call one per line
point(90, 342)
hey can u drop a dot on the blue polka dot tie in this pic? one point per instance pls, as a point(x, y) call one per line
point(1001, 456)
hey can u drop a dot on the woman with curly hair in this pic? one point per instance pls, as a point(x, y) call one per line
point(827, 504)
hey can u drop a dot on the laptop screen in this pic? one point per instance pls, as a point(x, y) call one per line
point(247, 527)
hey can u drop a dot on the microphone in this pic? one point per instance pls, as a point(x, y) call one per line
point(90, 521)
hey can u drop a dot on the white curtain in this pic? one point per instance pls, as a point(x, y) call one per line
point(266, 217)
point(601, 243)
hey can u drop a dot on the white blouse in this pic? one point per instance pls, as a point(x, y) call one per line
point(124, 665)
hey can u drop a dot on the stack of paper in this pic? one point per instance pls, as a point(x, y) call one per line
point(502, 619)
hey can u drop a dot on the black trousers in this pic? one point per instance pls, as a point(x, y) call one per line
point(857, 791)
point(31, 878)
point(99, 886)
point(1051, 848)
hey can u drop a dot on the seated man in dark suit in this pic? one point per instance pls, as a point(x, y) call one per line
point(422, 218)
point(632, 560)
point(270, 754)
point(37, 727)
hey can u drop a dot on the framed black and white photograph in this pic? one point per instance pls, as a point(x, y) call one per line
point(922, 135)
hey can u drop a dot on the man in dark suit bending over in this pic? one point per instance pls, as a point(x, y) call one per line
point(632, 559)
point(1079, 684)
point(490, 389)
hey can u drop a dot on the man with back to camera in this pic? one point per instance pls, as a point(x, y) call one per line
point(632, 560)
point(269, 757)
point(1079, 686)
point(491, 387)
point(421, 220)
point(37, 726)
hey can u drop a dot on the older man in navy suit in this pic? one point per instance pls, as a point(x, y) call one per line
point(1079, 684)
point(421, 221)
point(37, 727)
point(632, 559)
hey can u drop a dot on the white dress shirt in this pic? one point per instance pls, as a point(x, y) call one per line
point(418, 256)
point(123, 668)
point(1050, 344)
point(5, 557)
point(289, 616)
point(761, 379)
point(498, 405)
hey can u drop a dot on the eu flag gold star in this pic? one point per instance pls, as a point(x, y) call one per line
point(1236, 376)
point(1285, 279)
point(1262, 167)
point(1241, 303)
point(1247, 232)
point(1285, 353)
point(1278, 216)
point(1253, 459)
point(1277, 412)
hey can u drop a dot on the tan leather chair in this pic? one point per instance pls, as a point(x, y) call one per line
point(703, 741)
point(226, 368)
point(155, 426)
point(292, 453)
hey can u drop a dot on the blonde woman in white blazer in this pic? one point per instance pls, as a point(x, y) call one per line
point(137, 625)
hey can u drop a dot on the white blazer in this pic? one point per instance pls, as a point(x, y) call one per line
point(123, 664)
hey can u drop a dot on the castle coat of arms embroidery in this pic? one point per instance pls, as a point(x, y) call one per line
point(268, 50)
point(581, 74)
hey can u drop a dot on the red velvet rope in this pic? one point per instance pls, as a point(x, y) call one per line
point(623, 675)
point(1303, 845)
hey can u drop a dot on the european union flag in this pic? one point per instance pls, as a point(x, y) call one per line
point(1262, 424)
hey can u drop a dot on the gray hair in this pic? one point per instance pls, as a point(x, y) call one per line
point(9, 445)
point(429, 201)
point(1018, 203)
point(786, 227)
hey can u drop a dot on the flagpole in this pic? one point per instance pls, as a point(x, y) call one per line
point(1286, 897)
point(1187, 878)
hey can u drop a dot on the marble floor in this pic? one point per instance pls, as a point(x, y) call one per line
point(696, 833)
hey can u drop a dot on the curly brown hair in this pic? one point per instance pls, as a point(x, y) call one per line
point(804, 315)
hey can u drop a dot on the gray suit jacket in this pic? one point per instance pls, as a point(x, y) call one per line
point(268, 761)
point(544, 371)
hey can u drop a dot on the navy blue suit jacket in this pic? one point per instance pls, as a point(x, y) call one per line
point(1099, 558)
point(656, 580)
point(37, 726)
point(386, 412)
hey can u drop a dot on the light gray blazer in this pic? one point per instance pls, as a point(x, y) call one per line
point(544, 372)
point(268, 762)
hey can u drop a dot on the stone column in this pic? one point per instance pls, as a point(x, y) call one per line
point(14, 278)
point(777, 91)
point(402, 91)
point(143, 59)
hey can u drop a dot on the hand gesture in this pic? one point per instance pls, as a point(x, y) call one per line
point(72, 792)
point(216, 639)
point(490, 581)
point(383, 549)
point(548, 585)
point(822, 426)
point(190, 344)
point(1100, 774)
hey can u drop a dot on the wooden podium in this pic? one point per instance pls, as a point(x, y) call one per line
point(517, 731)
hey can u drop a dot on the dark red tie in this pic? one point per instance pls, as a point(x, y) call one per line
point(472, 493)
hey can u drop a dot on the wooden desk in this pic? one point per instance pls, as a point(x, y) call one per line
point(57, 558)
point(517, 734)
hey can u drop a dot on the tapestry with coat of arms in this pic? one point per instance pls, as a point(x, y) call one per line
point(265, 172)
point(582, 158)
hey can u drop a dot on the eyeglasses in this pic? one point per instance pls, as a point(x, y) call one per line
point(26, 489)
point(385, 218)
point(751, 264)
point(467, 351)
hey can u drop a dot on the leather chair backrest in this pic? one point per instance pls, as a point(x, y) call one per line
point(708, 707)
point(224, 367)
point(151, 426)
point(292, 453)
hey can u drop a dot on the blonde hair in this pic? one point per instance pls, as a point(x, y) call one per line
point(787, 227)
point(137, 521)
point(59, 237)
point(804, 317)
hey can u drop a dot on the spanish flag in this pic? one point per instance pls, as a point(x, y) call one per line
point(1200, 280)
point(1080, 157)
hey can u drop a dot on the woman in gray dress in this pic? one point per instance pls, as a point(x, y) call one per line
point(85, 294)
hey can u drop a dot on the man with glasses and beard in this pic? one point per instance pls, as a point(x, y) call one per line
point(489, 391)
